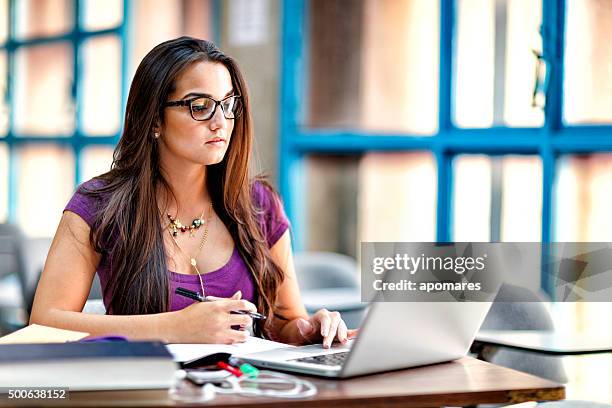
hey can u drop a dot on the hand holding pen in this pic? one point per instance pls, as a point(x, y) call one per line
point(208, 321)
point(196, 296)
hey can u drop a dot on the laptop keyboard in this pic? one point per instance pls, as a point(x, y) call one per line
point(335, 359)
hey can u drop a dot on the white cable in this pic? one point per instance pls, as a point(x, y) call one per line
point(297, 388)
point(300, 388)
point(184, 392)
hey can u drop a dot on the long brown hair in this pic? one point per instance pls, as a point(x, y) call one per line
point(127, 225)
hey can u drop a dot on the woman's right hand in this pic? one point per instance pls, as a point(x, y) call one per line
point(211, 322)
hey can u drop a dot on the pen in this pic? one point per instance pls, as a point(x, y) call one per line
point(196, 296)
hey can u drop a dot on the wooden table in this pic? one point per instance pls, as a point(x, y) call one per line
point(463, 382)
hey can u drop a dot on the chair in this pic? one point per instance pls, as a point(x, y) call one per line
point(21, 263)
point(330, 280)
point(517, 308)
point(17, 279)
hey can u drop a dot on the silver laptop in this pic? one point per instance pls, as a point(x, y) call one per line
point(393, 336)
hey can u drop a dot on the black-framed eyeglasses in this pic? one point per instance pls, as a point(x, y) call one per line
point(204, 107)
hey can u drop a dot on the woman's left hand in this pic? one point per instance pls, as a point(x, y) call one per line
point(324, 326)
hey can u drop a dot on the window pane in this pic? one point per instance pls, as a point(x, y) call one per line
point(501, 194)
point(332, 204)
point(4, 168)
point(521, 204)
point(43, 101)
point(522, 39)
point(357, 83)
point(4, 108)
point(584, 198)
point(95, 161)
point(472, 198)
point(45, 184)
point(102, 86)
point(378, 197)
point(495, 74)
point(4, 20)
point(397, 197)
point(101, 14)
point(43, 17)
point(475, 63)
point(588, 62)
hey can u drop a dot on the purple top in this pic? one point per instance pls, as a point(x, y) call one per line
point(223, 282)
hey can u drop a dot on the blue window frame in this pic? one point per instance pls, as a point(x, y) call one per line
point(78, 139)
point(549, 142)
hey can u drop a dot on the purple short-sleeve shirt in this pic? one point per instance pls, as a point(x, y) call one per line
point(223, 282)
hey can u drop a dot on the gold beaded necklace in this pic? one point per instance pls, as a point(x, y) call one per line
point(192, 259)
point(176, 225)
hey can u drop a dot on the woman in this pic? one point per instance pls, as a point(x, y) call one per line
point(184, 155)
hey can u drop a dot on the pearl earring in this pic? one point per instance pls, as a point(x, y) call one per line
point(156, 135)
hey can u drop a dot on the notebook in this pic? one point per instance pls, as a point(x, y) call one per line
point(87, 366)
point(189, 351)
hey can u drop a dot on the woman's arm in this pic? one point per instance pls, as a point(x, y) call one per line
point(65, 284)
point(66, 281)
point(300, 328)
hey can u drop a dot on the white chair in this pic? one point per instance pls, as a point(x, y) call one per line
point(330, 280)
point(517, 308)
point(17, 282)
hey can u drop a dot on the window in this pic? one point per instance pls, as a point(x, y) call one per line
point(50, 52)
point(496, 58)
point(449, 120)
point(64, 75)
point(497, 198)
point(588, 56)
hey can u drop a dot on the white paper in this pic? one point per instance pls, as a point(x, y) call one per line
point(187, 352)
point(35, 333)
